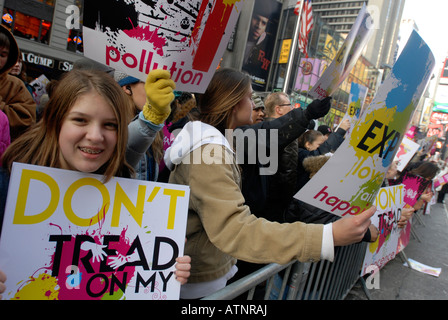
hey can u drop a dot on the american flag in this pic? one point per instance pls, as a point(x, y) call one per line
point(306, 24)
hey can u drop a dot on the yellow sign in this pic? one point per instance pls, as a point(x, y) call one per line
point(284, 53)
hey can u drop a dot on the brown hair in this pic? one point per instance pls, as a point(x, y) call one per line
point(39, 145)
point(7, 41)
point(225, 90)
point(309, 136)
point(427, 170)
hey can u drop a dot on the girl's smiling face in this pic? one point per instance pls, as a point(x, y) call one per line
point(88, 135)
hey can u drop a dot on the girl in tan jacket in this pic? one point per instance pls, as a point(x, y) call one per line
point(220, 227)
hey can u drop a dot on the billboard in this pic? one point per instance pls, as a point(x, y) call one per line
point(310, 70)
point(261, 41)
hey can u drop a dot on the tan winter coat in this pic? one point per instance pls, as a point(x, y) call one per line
point(220, 227)
point(15, 99)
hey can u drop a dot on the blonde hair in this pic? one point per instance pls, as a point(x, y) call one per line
point(226, 89)
point(39, 145)
point(273, 100)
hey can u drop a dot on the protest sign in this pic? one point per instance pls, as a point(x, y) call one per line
point(350, 180)
point(68, 236)
point(414, 187)
point(346, 57)
point(187, 38)
point(407, 150)
point(38, 86)
point(357, 97)
point(440, 181)
point(389, 203)
point(427, 144)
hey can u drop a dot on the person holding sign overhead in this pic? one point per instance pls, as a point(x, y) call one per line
point(74, 135)
point(220, 227)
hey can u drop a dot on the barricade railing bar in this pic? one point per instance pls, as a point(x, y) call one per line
point(250, 282)
point(323, 280)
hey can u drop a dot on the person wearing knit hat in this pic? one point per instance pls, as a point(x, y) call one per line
point(124, 79)
point(333, 139)
point(258, 113)
point(134, 88)
point(325, 130)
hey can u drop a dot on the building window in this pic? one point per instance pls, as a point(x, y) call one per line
point(47, 2)
point(26, 26)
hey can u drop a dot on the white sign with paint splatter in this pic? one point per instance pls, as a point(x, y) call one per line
point(188, 38)
point(68, 236)
point(348, 183)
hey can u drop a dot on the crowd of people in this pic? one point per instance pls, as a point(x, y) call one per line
point(238, 217)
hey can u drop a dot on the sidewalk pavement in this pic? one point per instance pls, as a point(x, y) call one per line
point(398, 282)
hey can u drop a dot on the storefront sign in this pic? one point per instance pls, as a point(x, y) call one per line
point(45, 61)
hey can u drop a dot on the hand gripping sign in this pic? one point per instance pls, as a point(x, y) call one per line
point(68, 236)
point(348, 183)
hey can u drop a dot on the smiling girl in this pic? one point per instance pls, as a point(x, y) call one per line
point(83, 128)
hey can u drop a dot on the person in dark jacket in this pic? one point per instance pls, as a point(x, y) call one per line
point(256, 176)
point(271, 138)
point(332, 139)
point(308, 144)
point(282, 184)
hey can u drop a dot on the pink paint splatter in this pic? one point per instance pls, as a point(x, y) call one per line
point(152, 36)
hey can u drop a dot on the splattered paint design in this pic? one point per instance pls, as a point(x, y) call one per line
point(125, 250)
point(185, 37)
point(389, 203)
point(348, 183)
point(87, 253)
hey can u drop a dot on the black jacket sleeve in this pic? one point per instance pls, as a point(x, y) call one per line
point(333, 142)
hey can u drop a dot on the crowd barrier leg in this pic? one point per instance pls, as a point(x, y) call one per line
point(364, 288)
point(298, 279)
point(414, 234)
point(404, 258)
point(418, 216)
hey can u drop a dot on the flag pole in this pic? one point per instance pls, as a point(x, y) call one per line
point(295, 40)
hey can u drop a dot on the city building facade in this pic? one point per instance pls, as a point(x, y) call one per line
point(49, 33)
point(40, 28)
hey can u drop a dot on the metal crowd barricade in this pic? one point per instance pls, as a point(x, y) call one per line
point(250, 282)
point(323, 280)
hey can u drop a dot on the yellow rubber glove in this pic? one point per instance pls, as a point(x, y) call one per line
point(159, 94)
